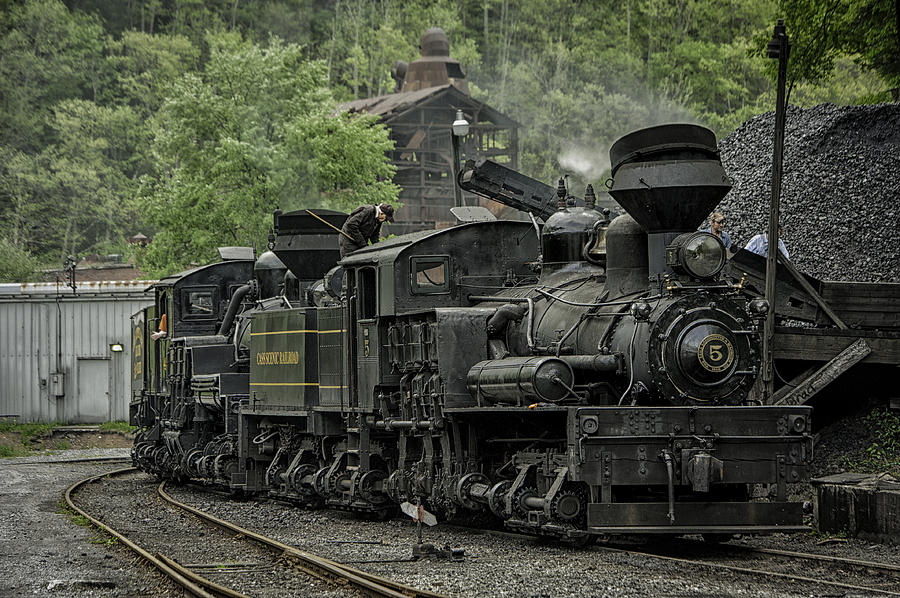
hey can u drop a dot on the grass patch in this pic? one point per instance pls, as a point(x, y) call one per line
point(21, 440)
point(7, 452)
point(118, 426)
point(883, 453)
point(100, 537)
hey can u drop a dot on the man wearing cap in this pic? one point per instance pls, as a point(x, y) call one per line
point(364, 225)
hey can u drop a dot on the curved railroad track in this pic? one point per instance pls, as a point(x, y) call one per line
point(274, 557)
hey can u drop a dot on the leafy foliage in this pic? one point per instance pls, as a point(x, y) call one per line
point(16, 265)
point(252, 132)
point(883, 452)
point(190, 120)
point(822, 32)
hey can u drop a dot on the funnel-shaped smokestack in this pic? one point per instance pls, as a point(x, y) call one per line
point(669, 177)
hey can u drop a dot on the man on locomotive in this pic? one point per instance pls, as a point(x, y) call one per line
point(364, 225)
point(716, 226)
point(759, 244)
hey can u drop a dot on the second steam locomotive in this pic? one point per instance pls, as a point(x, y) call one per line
point(594, 378)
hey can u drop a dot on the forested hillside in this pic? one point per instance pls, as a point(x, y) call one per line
point(191, 120)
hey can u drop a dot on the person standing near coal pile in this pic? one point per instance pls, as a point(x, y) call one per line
point(760, 244)
point(716, 226)
point(364, 225)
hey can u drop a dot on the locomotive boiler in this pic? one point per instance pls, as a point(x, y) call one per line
point(594, 378)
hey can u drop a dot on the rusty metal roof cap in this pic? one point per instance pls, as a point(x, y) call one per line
point(434, 42)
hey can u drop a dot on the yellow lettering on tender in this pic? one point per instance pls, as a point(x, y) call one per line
point(278, 358)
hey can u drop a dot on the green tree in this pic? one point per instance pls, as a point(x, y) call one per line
point(253, 131)
point(73, 194)
point(16, 265)
point(49, 54)
point(820, 32)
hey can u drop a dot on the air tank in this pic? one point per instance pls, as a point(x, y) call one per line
point(520, 380)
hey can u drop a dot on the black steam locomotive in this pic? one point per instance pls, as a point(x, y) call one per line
point(594, 378)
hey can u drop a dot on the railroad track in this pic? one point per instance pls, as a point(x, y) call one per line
point(123, 459)
point(888, 582)
point(713, 554)
point(340, 577)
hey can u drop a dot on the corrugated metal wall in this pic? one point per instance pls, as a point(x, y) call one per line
point(41, 334)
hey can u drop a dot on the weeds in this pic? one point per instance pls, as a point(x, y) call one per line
point(7, 452)
point(118, 426)
point(30, 436)
point(883, 452)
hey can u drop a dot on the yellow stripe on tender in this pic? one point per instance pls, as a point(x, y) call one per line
point(284, 384)
point(296, 332)
point(283, 332)
point(333, 387)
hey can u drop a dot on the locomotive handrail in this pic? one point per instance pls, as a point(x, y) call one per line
point(601, 304)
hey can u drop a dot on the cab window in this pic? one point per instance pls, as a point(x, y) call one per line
point(429, 275)
point(199, 302)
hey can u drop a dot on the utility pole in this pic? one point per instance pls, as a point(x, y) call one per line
point(779, 48)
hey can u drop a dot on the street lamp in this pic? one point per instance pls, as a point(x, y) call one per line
point(460, 128)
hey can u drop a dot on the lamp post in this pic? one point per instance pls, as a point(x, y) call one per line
point(69, 269)
point(460, 128)
point(778, 48)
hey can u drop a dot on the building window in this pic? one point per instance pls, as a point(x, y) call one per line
point(429, 275)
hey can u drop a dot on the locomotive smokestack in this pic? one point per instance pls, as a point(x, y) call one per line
point(561, 195)
point(590, 200)
point(668, 178)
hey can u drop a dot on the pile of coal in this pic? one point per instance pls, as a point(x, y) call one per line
point(840, 203)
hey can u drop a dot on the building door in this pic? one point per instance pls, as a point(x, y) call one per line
point(92, 401)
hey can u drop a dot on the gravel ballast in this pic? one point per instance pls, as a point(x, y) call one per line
point(840, 192)
point(44, 552)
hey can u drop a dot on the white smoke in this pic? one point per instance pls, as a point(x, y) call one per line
point(588, 164)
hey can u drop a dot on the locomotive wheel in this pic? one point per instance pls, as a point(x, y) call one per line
point(367, 487)
point(320, 482)
point(192, 462)
point(567, 506)
point(463, 487)
point(497, 499)
point(518, 501)
point(296, 476)
point(224, 466)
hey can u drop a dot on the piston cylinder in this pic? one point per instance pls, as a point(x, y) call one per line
point(519, 380)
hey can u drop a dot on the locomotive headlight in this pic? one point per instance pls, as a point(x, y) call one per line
point(699, 255)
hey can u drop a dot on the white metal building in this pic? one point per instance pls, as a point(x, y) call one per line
point(66, 356)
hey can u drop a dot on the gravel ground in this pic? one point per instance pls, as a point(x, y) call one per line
point(61, 560)
point(130, 505)
point(511, 566)
point(42, 553)
point(840, 190)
